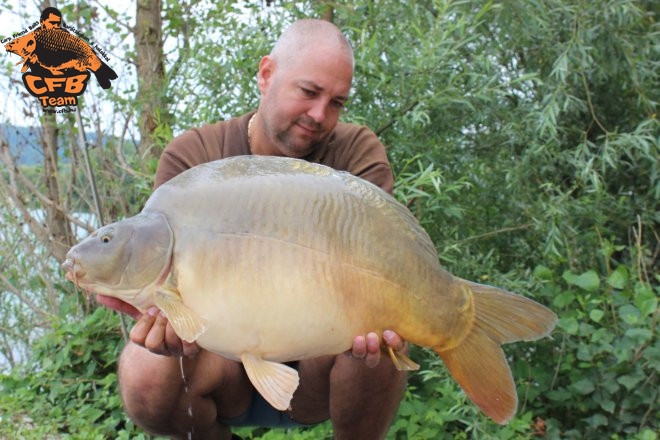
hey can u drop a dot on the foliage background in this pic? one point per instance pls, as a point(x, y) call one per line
point(523, 135)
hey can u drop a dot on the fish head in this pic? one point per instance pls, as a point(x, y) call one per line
point(123, 259)
point(23, 46)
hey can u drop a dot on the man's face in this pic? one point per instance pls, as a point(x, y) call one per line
point(301, 101)
point(53, 21)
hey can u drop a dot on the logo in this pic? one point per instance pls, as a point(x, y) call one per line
point(58, 61)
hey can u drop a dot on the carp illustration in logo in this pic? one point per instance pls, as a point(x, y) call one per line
point(58, 61)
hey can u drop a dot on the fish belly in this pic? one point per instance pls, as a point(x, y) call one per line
point(269, 298)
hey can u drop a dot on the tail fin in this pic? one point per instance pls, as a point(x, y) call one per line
point(104, 74)
point(478, 364)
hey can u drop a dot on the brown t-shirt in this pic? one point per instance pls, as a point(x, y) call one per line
point(349, 147)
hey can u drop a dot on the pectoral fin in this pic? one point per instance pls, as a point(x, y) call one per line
point(401, 361)
point(186, 323)
point(274, 381)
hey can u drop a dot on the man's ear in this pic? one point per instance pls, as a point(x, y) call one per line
point(265, 74)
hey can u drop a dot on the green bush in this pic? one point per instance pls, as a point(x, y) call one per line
point(606, 379)
point(68, 389)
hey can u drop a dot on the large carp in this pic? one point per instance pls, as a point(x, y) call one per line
point(266, 260)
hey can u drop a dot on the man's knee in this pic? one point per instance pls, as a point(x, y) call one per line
point(157, 399)
point(149, 386)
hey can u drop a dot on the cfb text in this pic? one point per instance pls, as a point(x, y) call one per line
point(56, 91)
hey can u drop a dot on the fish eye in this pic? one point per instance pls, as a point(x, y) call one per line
point(105, 238)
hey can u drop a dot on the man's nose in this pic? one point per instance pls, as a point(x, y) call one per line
point(318, 110)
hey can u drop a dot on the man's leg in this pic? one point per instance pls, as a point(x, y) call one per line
point(360, 400)
point(364, 400)
point(155, 396)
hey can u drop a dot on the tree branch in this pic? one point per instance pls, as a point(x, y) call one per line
point(395, 119)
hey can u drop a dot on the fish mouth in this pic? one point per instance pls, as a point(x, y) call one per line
point(73, 271)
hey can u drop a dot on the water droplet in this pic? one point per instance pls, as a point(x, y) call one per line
point(185, 389)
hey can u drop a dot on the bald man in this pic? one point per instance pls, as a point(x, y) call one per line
point(304, 84)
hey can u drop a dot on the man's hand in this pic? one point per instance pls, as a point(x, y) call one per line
point(369, 347)
point(152, 329)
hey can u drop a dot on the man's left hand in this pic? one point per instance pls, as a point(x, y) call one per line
point(368, 347)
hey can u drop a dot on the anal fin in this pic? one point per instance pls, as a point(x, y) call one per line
point(276, 382)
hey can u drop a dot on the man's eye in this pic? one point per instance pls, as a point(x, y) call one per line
point(308, 92)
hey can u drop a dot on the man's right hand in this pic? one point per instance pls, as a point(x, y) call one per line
point(152, 329)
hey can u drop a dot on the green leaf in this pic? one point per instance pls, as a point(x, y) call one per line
point(630, 381)
point(596, 315)
point(585, 353)
point(608, 406)
point(629, 313)
point(588, 281)
point(652, 355)
point(640, 335)
point(563, 299)
point(542, 272)
point(584, 386)
point(597, 420)
point(603, 335)
point(559, 395)
point(570, 325)
point(569, 277)
point(618, 278)
point(647, 434)
point(645, 300)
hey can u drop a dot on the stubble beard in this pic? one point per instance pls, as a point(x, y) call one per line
point(293, 145)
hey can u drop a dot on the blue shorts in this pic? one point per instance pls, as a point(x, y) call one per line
point(261, 414)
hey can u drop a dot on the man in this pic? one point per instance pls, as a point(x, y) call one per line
point(304, 84)
point(51, 18)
